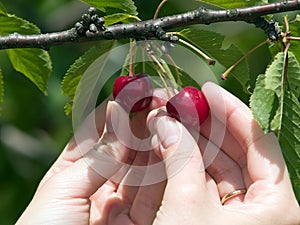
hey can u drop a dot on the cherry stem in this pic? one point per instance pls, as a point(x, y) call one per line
point(206, 57)
point(227, 72)
point(165, 74)
point(293, 38)
point(165, 84)
point(287, 26)
point(131, 73)
point(179, 82)
point(159, 8)
point(286, 50)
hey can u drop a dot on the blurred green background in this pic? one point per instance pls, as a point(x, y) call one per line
point(33, 127)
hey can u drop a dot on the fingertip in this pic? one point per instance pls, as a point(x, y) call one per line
point(114, 115)
point(168, 131)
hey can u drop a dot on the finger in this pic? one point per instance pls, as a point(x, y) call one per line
point(183, 163)
point(149, 195)
point(263, 153)
point(83, 178)
point(160, 98)
point(86, 135)
point(222, 169)
point(224, 140)
point(212, 189)
point(106, 157)
point(138, 122)
point(99, 211)
point(131, 182)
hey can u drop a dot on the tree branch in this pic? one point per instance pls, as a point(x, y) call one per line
point(148, 29)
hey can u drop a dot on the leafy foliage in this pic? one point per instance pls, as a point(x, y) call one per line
point(2, 9)
point(211, 43)
point(294, 27)
point(35, 64)
point(1, 86)
point(116, 11)
point(75, 72)
point(276, 107)
point(235, 4)
point(289, 138)
point(264, 104)
point(116, 6)
point(120, 17)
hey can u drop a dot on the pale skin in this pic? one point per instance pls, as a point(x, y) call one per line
point(73, 192)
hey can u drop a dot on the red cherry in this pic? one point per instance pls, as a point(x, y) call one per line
point(133, 93)
point(189, 106)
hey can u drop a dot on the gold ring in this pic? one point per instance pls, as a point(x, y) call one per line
point(233, 194)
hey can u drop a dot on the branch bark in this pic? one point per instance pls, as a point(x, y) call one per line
point(147, 29)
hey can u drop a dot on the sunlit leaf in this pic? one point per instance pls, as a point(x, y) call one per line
point(274, 75)
point(275, 72)
point(263, 103)
point(119, 17)
point(75, 72)
point(276, 82)
point(121, 6)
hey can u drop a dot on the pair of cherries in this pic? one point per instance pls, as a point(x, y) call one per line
point(134, 94)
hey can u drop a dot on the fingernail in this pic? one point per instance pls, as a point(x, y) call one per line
point(168, 131)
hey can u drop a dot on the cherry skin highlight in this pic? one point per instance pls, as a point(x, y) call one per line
point(133, 93)
point(189, 107)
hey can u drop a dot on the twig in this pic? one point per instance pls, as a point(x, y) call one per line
point(147, 29)
point(227, 72)
point(202, 54)
point(159, 8)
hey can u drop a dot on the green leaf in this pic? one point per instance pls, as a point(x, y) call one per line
point(286, 121)
point(119, 17)
point(275, 81)
point(293, 78)
point(1, 87)
point(289, 138)
point(13, 24)
point(75, 72)
point(211, 43)
point(235, 3)
point(2, 9)
point(294, 27)
point(35, 64)
point(121, 6)
point(263, 103)
point(274, 74)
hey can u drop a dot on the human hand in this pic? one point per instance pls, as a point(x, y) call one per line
point(241, 157)
point(83, 185)
point(74, 190)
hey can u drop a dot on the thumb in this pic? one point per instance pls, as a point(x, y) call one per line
point(84, 176)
